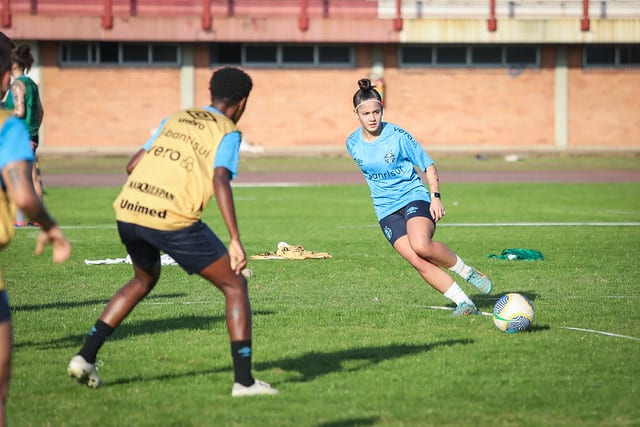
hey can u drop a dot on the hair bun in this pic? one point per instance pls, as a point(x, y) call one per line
point(365, 84)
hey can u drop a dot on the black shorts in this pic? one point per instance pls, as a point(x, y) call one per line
point(193, 248)
point(5, 314)
point(394, 225)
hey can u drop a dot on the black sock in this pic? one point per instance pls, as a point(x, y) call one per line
point(241, 353)
point(94, 340)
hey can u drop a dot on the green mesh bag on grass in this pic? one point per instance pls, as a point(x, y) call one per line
point(519, 254)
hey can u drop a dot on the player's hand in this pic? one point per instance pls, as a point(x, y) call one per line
point(59, 244)
point(237, 256)
point(436, 209)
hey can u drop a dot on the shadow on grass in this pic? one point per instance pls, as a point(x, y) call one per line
point(126, 330)
point(312, 365)
point(351, 422)
point(76, 304)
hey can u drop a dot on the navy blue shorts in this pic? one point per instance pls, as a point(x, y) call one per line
point(193, 248)
point(5, 314)
point(394, 225)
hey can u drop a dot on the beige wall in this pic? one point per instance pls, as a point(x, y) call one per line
point(104, 108)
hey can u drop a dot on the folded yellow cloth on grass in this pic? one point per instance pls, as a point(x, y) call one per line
point(286, 251)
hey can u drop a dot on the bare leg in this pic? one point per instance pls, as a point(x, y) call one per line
point(420, 232)
point(36, 180)
point(431, 273)
point(6, 340)
point(82, 366)
point(234, 288)
point(127, 297)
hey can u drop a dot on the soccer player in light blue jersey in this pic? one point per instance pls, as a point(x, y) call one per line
point(407, 212)
point(17, 191)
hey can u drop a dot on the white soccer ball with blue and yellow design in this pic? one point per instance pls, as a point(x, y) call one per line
point(513, 313)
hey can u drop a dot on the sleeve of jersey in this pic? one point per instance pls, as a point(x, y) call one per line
point(15, 143)
point(416, 153)
point(349, 145)
point(154, 136)
point(228, 154)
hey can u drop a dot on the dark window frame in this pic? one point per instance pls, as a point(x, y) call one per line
point(594, 56)
point(318, 55)
point(102, 54)
point(435, 54)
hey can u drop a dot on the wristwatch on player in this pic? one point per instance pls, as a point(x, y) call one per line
point(436, 195)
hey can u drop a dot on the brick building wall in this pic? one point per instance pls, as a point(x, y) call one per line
point(103, 108)
point(117, 108)
point(605, 106)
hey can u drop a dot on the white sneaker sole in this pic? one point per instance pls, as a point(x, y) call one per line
point(84, 372)
point(258, 388)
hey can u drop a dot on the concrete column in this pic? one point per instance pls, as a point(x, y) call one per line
point(561, 98)
point(377, 62)
point(36, 69)
point(35, 73)
point(187, 77)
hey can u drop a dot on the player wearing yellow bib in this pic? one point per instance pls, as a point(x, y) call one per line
point(192, 156)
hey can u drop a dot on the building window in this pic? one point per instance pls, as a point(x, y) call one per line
point(475, 56)
point(283, 56)
point(487, 55)
point(164, 53)
point(260, 55)
point(108, 53)
point(416, 55)
point(451, 55)
point(122, 54)
point(135, 53)
point(611, 56)
point(226, 53)
point(523, 56)
point(297, 54)
point(334, 55)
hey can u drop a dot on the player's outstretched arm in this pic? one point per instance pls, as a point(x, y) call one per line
point(18, 179)
point(61, 248)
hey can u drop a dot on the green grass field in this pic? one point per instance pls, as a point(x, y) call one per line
point(349, 341)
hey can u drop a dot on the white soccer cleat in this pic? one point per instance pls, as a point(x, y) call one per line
point(480, 281)
point(258, 388)
point(84, 372)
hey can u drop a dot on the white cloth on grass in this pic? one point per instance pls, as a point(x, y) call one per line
point(164, 260)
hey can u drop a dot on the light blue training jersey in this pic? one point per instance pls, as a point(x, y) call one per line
point(228, 153)
point(15, 143)
point(388, 167)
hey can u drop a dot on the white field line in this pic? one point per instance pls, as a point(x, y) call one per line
point(438, 307)
point(544, 224)
point(274, 184)
point(610, 334)
point(484, 313)
point(462, 224)
point(517, 224)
